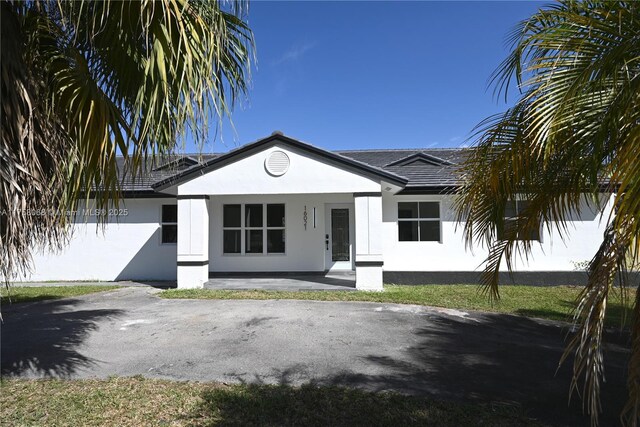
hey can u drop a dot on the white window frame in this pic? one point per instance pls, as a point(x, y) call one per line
point(244, 228)
point(163, 223)
point(267, 228)
point(418, 220)
point(240, 228)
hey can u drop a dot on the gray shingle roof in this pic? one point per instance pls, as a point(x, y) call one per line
point(422, 173)
point(157, 170)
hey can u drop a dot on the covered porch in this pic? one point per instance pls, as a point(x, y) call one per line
point(280, 206)
point(287, 242)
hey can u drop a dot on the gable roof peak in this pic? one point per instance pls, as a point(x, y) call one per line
point(273, 139)
point(422, 158)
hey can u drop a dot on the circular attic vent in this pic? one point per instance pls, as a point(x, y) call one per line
point(277, 163)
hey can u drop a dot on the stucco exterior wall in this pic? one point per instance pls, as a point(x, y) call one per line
point(129, 248)
point(553, 254)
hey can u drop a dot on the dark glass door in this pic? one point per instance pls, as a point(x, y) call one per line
point(340, 235)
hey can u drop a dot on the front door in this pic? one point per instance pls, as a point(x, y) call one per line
point(339, 237)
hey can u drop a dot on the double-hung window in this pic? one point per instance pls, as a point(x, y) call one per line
point(512, 209)
point(254, 228)
point(419, 222)
point(232, 229)
point(169, 223)
point(275, 229)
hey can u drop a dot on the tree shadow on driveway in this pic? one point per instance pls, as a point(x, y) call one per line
point(42, 339)
point(489, 358)
point(497, 358)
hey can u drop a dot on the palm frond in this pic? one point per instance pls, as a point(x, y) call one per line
point(84, 81)
point(570, 143)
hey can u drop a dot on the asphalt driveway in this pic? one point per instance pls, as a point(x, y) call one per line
point(415, 350)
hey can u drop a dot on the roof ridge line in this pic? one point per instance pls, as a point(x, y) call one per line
point(403, 149)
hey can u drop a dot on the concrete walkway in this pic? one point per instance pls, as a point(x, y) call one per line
point(329, 282)
point(447, 354)
point(290, 283)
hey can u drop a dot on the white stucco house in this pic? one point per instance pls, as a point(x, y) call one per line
point(279, 205)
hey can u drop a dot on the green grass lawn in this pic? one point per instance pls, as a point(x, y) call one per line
point(37, 293)
point(533, 301)
point(146, 402)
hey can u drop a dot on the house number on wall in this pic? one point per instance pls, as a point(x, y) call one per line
point(304, 217)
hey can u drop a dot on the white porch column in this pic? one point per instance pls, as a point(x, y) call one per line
point(368, 207)
point(193, 241)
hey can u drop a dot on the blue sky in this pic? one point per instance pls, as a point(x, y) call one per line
point(363, 75)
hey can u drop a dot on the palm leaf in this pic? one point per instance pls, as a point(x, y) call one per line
point(569, 143)
point(85, 81)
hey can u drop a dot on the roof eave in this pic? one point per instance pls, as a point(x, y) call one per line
point(430, 189)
